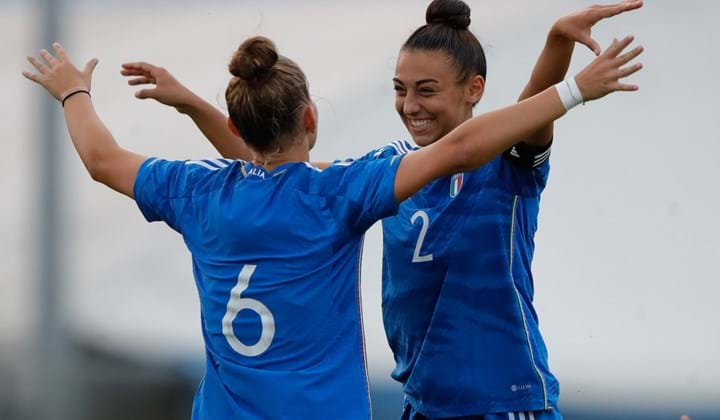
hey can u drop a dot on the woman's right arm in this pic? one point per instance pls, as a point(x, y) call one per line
point(482, 138)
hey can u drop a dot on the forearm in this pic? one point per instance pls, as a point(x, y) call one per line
point(213, 124)
point(552, 67)
point(104, 159)
point(482, 138)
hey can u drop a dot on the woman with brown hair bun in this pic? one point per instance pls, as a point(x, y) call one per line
point(276, 242)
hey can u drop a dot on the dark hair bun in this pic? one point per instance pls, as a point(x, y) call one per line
point(452, 13)
point(254, 59)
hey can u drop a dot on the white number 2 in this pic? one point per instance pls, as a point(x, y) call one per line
point(417, 258)
point(236, 304)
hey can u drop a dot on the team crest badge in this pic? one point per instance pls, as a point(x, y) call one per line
point(456, 183)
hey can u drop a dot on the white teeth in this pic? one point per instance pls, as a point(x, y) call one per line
point(420, 124)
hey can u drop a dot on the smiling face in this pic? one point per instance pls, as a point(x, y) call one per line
point(428, 97)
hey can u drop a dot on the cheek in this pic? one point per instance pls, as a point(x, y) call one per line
point(399, 104)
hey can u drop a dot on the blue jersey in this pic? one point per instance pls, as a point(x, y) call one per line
point(276, 260)
point(458, 290)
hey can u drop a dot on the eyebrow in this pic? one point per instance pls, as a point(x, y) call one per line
point(418, 83)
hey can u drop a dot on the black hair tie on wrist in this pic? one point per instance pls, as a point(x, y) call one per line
point(68, 96)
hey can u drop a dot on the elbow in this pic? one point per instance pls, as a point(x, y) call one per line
point(98, 168)
point(95, 170)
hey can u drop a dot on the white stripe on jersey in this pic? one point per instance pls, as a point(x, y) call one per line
point(344, 163)
point(511, 416)
point(203, 164)
point(153, 161)
point(521, 416)
point(311, 166)
point(219, 163)
point(532, 415)
point(403, 147)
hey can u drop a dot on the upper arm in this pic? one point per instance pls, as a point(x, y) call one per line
point(118, 170)
point(420, 167)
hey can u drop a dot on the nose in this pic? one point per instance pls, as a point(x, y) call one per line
point(411, 105)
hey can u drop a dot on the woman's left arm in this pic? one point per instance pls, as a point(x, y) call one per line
point(104, 159)
point(554, 61)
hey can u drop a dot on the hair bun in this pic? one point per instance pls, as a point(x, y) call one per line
point(254, 59)
point(452, 13)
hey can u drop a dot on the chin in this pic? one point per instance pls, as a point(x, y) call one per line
point(424, 139)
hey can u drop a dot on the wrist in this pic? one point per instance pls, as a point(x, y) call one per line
point(557, 36)
point(189, 105)
point(70, 93)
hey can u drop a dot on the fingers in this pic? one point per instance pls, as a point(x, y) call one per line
point(139, 66)
point(630, 70)
point(592, 44)
point(611, 10)
point(134, 72)
point(622, 87)
point(49, 59)
point(631, 55)
point(90, 66)
point(34, 77)
point(618, 46)
point(60, 51)
point(144, 94)
point(141, 81)
point(42, 68)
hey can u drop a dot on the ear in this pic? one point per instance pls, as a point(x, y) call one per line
point(310, 118)
point(475, 89)
point(232, 127)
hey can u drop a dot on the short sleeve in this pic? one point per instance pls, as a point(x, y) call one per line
point(161, 185)
point(396, 148)
point(524, 168)
point(361, 192)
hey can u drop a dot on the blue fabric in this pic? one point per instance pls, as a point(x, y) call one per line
point(286, 246)
point(457, 302)
point(409, 413)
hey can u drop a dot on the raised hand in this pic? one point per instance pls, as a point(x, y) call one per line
point(604, 74)
point(167, 90)
point(58, 75)
point(577, 26)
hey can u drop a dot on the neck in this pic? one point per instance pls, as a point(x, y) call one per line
point(297, 153)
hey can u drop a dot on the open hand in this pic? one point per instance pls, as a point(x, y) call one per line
point(577, 26)
point(603, 75)
point(58, 75)
point(167, 90)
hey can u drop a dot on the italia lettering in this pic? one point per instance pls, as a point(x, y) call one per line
point(258, 172)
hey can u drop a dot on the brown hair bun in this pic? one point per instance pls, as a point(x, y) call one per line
point(254, 59)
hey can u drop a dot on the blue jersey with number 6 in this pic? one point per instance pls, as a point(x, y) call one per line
point(458, 289)
point(276, 258)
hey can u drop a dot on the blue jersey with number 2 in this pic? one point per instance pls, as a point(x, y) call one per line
point(276, 260)
point(458, 290)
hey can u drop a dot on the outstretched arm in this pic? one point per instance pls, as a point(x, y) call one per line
point(168, 91)
point(480, 139)
point(554, 61)
point(106, 162)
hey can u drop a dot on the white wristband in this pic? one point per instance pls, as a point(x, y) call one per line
point(570, 94)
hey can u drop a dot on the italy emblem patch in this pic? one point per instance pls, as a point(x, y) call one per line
point(456, 183)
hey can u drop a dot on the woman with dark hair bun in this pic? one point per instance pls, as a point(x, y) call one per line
point(457, 286)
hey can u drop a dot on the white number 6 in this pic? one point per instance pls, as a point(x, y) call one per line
point(417, 258)
point(236, 304)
